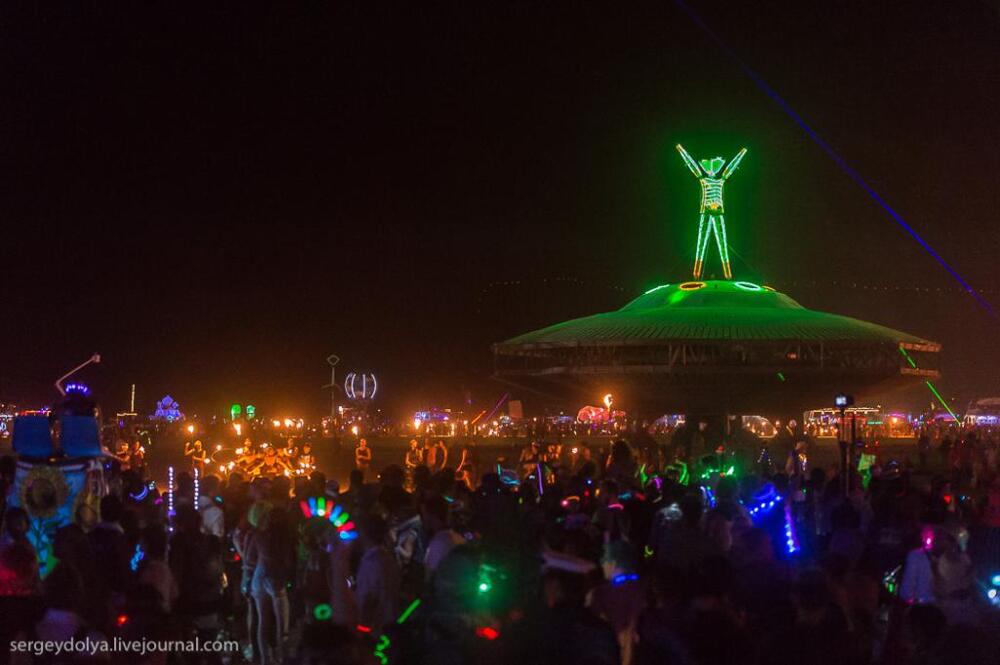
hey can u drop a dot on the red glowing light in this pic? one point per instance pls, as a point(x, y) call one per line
point(364, 629)
point(122, 619)
point(487, 633)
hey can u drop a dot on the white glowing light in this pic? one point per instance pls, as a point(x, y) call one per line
point(655, 289)
point(197, 487)
point(171, 487)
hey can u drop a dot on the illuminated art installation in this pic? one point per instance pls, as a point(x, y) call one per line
point(837, 159)
point(714, 346)
point(597, 414)
point(711, 205)
point(360, 387)
point(167, 409)
point(59, 476)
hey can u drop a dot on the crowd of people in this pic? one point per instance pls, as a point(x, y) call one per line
point(252, 459)
point(566, 554)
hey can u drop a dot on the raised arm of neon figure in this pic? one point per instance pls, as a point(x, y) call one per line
point(733, 164)
point(691, 164)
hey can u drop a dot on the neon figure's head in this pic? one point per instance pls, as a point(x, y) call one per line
point(712, 166)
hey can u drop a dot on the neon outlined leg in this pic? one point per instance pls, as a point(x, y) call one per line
point(703, 245)
point(723, 247)
point(718, 243)
point(699, 249)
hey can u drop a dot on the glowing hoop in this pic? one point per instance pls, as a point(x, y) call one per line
point(360, 386)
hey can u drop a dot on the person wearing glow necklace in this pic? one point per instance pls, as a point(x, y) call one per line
point(622, 597)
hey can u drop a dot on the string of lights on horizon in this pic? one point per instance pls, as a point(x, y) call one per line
point(781, 285)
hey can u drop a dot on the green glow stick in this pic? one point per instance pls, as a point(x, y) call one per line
point(408, 611)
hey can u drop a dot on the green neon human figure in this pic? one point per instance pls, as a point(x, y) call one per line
point(712, 206)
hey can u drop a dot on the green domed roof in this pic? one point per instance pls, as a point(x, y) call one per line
point(711, 310)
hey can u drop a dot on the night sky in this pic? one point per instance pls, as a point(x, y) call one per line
point(216, 198)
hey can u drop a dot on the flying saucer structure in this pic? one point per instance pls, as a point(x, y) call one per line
point(715, 346)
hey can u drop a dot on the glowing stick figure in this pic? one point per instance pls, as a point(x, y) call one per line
point(711, 201)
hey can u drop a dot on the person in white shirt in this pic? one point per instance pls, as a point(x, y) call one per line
point(212, 518)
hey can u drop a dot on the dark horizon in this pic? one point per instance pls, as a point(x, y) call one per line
point(217, 200)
